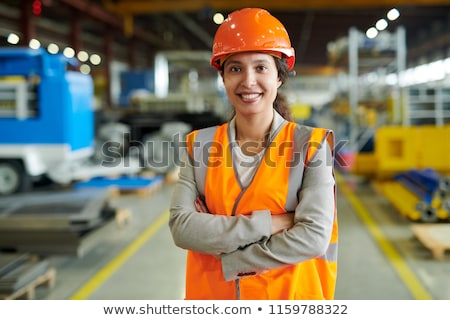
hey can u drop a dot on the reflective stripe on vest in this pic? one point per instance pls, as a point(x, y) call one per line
point(275, 187)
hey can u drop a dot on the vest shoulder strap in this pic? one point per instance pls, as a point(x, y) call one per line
point(199, 152)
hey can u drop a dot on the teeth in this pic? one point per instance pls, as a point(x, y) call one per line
point(250, 96)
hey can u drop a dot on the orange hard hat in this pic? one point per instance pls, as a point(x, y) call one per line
point(251, 29)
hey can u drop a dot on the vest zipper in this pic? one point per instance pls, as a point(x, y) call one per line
point(238, 289)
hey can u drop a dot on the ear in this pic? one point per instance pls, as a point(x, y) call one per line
point(279, 82)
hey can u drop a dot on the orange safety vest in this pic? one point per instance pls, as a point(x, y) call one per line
point(274, 187)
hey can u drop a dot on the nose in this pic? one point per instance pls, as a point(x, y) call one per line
point(248, 78)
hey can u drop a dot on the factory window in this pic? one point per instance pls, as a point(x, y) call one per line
point(18, 97)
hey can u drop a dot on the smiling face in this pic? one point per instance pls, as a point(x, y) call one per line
point(251, 82)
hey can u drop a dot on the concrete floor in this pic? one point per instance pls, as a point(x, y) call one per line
point(379, 257)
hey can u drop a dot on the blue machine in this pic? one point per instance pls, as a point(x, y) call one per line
point(64, 100)
point(131, 81)
point(46, 117)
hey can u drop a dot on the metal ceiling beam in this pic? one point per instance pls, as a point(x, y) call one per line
point(95, 11)
point(139, 7)
point(99, 13)
point(192, 26)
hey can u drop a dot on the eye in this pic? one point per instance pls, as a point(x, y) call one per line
point(235, 69)
point(261, 67)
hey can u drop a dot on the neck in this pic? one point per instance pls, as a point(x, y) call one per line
point(253, 128)
point(252, 134)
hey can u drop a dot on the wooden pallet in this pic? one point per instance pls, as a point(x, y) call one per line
point(122, 216)
point(434, 236)
point(139, 191)
point(172, 176)
point(28, 292)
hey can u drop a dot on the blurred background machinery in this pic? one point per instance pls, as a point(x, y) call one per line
point(46, 122)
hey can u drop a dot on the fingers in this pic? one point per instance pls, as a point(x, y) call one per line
point(200, 205)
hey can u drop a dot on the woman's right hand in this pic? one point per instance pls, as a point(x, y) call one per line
point(200, 205)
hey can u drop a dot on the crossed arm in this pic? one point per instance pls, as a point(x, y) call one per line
point(258, 240)
point(279, 222)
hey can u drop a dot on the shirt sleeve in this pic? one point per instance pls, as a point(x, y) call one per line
point(307, 239)
point(210, 233)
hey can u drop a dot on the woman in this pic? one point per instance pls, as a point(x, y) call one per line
point(255, 203)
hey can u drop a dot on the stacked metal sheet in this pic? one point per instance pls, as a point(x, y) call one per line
point(19, 270)
point(52, 222)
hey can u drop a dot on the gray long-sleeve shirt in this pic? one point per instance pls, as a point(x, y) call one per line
point(244, 242)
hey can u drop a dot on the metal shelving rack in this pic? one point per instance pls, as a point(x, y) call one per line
point(427, 105)
point(360, 62)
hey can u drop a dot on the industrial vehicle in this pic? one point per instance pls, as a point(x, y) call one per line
point(47, 122)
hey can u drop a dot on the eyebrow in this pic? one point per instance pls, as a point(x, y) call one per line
point(240, 62)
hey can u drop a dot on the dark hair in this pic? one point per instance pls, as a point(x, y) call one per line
point(280, 103)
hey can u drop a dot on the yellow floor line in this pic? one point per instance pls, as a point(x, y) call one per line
point(101, 276)
point(417, 290)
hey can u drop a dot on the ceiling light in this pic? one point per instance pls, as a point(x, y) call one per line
point(371, 33)
point(381, 24)
point(95, 59)
point(13, 38)
point(85, 69)
point(218, 18)
point(83, 56)
point(69, 52)
point(34, 44)
point(393, 14)
point(53, 48)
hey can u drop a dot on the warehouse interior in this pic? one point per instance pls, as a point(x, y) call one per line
point(94, 95)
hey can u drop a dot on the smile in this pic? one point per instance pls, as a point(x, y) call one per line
point(250, 96)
